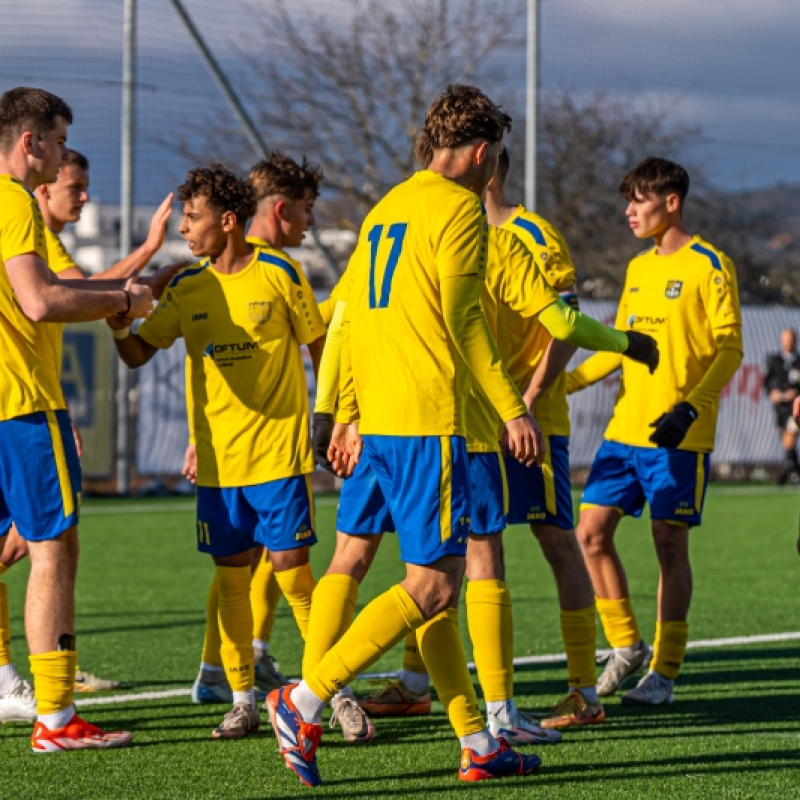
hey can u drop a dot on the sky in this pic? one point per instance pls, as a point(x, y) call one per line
point(729, 66)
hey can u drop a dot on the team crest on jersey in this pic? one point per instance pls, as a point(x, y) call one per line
point(673, 289)
point(259, 311)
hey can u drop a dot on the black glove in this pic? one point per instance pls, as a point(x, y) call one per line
point(321, 431)
point(642, 348)
point(671, 428)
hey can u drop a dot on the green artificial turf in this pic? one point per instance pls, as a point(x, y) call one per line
point(733, 732)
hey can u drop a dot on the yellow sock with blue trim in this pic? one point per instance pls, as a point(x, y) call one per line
point(378, 628)
point(297, 586)
point(443, 652)
point(491, 629)
point(54, 680)
point(211, 641)
point(618, 621)
point(236, 626)
point(579, 630)
point(669, 648)
point(332, 609)
point(265, 594)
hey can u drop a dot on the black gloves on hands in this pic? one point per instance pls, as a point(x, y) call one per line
point(671, 428)
point(321, 431)
point(642, 348)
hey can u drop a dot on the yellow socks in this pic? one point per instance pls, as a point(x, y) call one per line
point(54, 680)
point(443, 651)
point(332, 610)
point(212, 641)
point(579, 630)
point(5, 627)
point(491, 629)
point(297, 586)
point(412, 658)
point(618, 621)
point(669, 648)
point(265, 594)
point(236, 626)
point(383, 623)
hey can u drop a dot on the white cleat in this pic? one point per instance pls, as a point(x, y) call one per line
point(652, 690)
point(18, 704)
point(521, 728)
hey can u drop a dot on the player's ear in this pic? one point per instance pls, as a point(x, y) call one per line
point(282, 210)
point(228, 220)
point(479, 152)
point(672, 202)
point(28, 139)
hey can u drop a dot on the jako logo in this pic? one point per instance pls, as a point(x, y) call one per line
point(200, 315)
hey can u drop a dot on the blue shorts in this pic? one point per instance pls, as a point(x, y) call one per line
point(625, 477)
point(488, 493)
point(40, 475)
point(278, 514)
point(417, 485)
point(542, 496)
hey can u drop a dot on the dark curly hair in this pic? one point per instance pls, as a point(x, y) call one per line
point(279, 174)
point(462, 113)
point(223, 189)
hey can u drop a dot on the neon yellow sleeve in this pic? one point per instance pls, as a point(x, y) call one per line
point(594, 369)
point(568, 325)
point(467, 325)
point(347, 411)
point(190, 403)
point(328, 378)
point(729, 357)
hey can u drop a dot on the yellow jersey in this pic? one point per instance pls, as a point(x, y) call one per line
point(408, 376)
point(516, 290)
point(522, 341)
point(59, 260)
point(29, 368)
point(684, 300)
point(243, 332)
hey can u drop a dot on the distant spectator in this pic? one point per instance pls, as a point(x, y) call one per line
point(782, 384)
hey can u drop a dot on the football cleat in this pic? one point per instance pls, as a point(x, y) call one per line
point(86, 682)
point(522, 728)
point(240, 721)
point(18, 704)
point(395, 699)
point(298, 740)
point(621, 663)
point(217, 692)
point(268, 676)
point(574, 711)
point(501, 763)
point(77, 734)
point(652, 690)
point(355, 724)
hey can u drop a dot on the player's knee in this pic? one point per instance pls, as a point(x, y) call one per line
point(485, 558)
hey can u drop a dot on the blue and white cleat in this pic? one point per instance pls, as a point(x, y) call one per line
point(218, 692)
point(297, 739)
point(502, 763)
point(521, 728)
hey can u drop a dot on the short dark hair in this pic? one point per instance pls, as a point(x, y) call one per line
point(279, 174)
point(462, 113)
point(28, 109)
point(223, 189)
point(423, 148)
point(75, 159)
point(655, 176)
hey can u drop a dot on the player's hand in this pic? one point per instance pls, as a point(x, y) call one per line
point(158, 224)
point(161, 278)
point(345, 448)
point(796, 410)
point(77, 437)
point(141, 299)
point(671, 428)
point(642, 348)
point(523, 440)
point(190, 464)
point(321, 432)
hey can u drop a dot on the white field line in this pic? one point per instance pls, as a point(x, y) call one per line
point(552, 658)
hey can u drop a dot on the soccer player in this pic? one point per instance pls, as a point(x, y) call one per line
point(782, 385)
point(61, 203)
point(413, 289)
point(243, 312)
point(285, 195)
point(683, 292)
point(39, 467)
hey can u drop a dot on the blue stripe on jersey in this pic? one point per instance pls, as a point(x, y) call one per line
point(187, 273)
point(532, 228)
point(712, 256)
point(282, 264)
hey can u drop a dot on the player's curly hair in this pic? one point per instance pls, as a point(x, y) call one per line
point(279, 174)
point(655, 176)
point(462, 113)
point(28, 109)
point(223, 189)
